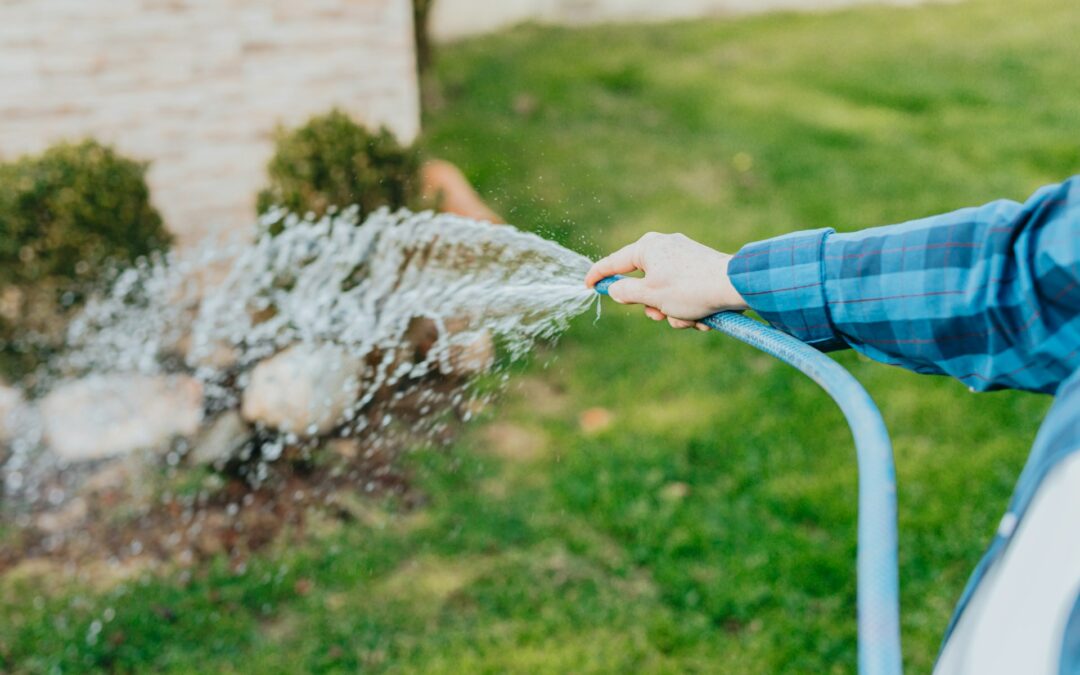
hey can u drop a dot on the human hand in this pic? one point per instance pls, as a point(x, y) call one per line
point(684, 281)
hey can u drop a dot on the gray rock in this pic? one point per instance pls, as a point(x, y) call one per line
point(304, 389)
point(110, 415)
point(222, 440)
point(13, 411)
point(470, 353)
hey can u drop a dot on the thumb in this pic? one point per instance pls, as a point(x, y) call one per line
point(631, 291)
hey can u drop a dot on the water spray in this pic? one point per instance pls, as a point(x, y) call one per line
point(389, 316)
point(878, 577)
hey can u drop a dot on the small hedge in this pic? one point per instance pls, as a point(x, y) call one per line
point(65, 216)
point(333, 161)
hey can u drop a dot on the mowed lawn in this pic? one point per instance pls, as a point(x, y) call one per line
point(646, 500)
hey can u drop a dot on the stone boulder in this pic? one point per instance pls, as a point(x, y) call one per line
point(13, 409)
point(221, 440)
point(470, 353)
point(109, 415)
point(304, 389)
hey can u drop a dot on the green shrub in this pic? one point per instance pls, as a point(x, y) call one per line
point(66, 216)
point(333, 161)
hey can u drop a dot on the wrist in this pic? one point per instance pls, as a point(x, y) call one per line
point(725, 296)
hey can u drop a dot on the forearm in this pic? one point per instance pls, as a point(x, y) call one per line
point(988, 295)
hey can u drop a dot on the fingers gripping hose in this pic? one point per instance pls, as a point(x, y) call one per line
point(878, 585)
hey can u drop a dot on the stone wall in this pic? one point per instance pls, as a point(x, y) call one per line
point(198, 86)
point(453, 19)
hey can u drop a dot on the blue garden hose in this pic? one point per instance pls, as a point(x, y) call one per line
point(878, 577)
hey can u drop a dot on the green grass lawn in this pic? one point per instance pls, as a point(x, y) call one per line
point(710, 527)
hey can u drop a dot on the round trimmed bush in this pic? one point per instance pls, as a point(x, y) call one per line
point(66, 216)
point(333, 161)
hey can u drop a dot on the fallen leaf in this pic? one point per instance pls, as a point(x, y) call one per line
point(595, 420)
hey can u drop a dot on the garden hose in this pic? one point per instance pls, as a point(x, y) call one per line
point(877, 573)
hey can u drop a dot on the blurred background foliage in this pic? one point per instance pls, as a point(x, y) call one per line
point(332, 160)
point(67, 216)
point(645, 500)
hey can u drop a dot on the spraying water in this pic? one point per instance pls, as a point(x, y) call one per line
point(319, 329)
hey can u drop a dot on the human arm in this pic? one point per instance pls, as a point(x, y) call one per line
point(988, 295)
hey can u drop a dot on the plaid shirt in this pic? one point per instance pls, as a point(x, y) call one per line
point(989, 295)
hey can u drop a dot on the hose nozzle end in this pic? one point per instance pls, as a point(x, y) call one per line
point(604, 284)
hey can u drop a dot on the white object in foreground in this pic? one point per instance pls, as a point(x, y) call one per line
point(1016, 620)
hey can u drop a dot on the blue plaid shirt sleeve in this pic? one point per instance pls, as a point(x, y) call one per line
point(989, 295)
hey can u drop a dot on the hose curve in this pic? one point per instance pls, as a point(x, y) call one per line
point(877, 572)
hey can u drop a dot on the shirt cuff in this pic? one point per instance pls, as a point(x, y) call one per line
point(782, 279)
